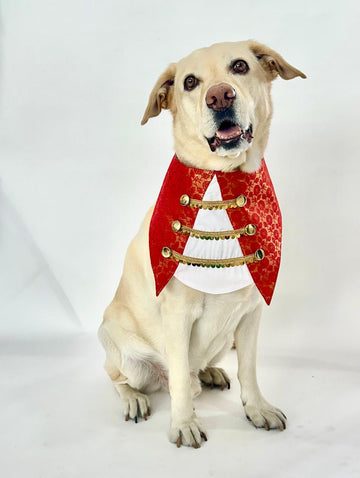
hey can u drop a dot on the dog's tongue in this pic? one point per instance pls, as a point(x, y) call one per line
point(228, 133)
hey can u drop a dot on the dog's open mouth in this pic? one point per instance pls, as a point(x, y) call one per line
point(229, 135)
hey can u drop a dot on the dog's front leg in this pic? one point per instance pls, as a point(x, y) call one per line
point(185, 428)
point(257, 409)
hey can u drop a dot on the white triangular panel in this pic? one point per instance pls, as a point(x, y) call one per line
point(214, 281)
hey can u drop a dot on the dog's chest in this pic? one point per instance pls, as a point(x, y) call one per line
point(213, 331)
point(213, 280)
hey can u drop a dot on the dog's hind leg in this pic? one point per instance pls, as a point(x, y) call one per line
point(135, 403)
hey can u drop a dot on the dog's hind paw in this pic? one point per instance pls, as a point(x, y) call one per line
point(264, 415)
point(215, 377)
point(187, 432)
point(136, 405)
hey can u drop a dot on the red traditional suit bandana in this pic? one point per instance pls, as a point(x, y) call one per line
point(261, 209)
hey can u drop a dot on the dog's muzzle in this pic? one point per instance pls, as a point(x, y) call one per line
point(230, 135)
point(220, 98)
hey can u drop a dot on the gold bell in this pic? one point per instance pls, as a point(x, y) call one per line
point(250, 229)
point(259, 254)
point(241, 201)
point(184, 200)
point(176, 226)
point(166, 252)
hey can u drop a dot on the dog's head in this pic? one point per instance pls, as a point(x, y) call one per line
point(220, 101)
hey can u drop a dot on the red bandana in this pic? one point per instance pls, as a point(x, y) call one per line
point(261, 209)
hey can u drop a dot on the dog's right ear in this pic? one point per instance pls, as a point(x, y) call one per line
point(161, 95)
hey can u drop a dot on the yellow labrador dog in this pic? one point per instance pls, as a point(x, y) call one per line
point(174, 340)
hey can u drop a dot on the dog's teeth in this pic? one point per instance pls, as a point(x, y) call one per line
point(228, 133)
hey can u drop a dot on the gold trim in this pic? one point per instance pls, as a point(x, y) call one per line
point(248, 230)
point(258, 255)
point(240, 201)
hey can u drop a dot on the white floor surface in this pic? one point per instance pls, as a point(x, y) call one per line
point(62, 418)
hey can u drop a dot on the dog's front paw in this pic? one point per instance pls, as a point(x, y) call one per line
point(264, 415)
point(187, 432)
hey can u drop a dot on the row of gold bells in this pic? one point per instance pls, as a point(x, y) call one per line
point(258, 255)
point(248, 230)
point(240, 201)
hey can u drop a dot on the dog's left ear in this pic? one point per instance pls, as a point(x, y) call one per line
point(273, 63)
point(161, 95)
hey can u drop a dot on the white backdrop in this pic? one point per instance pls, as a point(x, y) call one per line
point(78, 171)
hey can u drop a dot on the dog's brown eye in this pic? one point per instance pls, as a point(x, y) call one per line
point(240, 66)
point(190, 82)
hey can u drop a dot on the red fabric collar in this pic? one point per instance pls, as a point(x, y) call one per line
point(261, 209)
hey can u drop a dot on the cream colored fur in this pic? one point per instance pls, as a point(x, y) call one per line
point(165, 342)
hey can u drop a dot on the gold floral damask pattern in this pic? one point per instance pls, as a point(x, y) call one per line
point(179, 180)
point(261, 209)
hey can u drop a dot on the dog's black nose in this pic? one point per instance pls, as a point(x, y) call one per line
point(220, 97)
